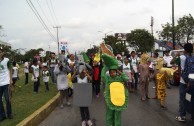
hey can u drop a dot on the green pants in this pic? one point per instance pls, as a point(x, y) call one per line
point(113, 117)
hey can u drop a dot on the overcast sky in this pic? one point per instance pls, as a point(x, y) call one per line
point(80, 20)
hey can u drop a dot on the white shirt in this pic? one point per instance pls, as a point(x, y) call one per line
point(167, 60)
point(182, 59)
point(53, 61)
point(35, 70)
point(26, 67)
point(4, 72)
point(126, 68)
point(45, 76)
point(15, 72)
point(44, 64)
point(134, 63)
point(84, 80)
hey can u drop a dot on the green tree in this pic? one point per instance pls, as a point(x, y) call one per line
point(185, 27)
point(166, 33)
point(141, 40)
point(183, 30)
point(117, 45)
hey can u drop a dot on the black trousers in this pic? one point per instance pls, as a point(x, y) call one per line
point(85, 115)
point(46, 85)
point(26, 80)
point(97, 86)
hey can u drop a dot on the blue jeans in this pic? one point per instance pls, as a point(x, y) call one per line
point(53, 77)
point(182, 100)
point(134, 84)
point(36, 85)
point(5, 90)
point(192, 101)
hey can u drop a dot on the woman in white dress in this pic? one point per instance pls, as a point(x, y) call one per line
point(61, 71)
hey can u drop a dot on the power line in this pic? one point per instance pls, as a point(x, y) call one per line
point(54, 11)
point(44, 13)
point(51, 13)
point(40, 19)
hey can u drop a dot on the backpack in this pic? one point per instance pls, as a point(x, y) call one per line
point(188, 69)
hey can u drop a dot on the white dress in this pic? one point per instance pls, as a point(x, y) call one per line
point(62, 80)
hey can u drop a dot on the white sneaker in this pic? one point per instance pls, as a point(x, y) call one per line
point(84, 123)
point(68, 103)
point(89, 122)
point(61, 106)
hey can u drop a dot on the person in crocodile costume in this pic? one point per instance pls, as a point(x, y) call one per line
point(116, 95)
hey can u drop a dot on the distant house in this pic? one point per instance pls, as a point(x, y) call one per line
point(5, 44)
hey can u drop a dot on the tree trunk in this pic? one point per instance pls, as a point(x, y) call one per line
point(188, 37)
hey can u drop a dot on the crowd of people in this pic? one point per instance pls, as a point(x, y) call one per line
point(131, 70)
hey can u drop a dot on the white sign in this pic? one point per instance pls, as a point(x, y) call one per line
point(63, 46)
point(42, 53)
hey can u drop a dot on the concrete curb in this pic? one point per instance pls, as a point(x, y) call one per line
point(39, 115)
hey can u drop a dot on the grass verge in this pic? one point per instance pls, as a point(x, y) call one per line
point(24, 101)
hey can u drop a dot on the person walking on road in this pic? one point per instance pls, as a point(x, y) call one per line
point(135, 65)
point(144, 75)
point(83, 77)
point(188, 49)
point(61, 71)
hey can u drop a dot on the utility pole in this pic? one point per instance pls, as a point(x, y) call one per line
point(173, 34)
point(152, 24)
point(57, 27)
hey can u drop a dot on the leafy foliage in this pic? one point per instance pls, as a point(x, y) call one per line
point(141, 40)
point(183, 30)
point(117, 45)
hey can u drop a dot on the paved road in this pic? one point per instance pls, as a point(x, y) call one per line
point(139, 113)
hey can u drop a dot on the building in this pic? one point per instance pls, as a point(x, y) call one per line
point(5, 44)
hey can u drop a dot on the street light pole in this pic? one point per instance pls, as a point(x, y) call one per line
point(173, 34)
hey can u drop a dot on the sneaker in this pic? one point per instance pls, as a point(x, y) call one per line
point(84, 123)
point(1, 119)
point(97, 96)
point(68, 103)
point(89, 122)
point(10, 116)
point(163, 107)
point(181, 119)
point(61, 106)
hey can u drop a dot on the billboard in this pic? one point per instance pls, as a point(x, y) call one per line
point(121, 36)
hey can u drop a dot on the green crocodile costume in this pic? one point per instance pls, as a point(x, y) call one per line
point(116, 95)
